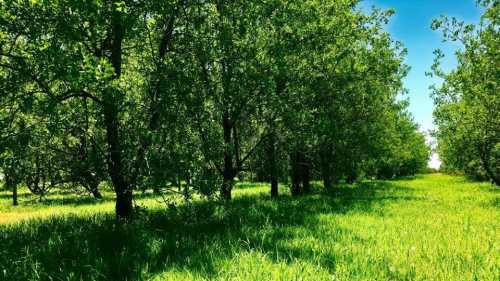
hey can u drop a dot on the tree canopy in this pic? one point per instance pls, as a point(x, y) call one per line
point(198, 94)
point(467, 103)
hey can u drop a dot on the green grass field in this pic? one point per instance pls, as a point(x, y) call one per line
point(433, 227)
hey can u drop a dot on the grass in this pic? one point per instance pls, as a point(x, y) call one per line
point(433, 227)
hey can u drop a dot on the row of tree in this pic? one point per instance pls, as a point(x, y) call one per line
point(199, 93)
point(468, 102)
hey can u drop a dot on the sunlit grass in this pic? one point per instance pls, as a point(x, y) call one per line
point(59, 204)
point(434, 227)
point(66, 202)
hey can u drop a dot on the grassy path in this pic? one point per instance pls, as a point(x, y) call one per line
point(434, 227)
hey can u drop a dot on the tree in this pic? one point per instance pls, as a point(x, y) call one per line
point(404, 151)
point(192, 94)
point(347, 75)
point(231, 86)
point(467, 102)
point(66, 50)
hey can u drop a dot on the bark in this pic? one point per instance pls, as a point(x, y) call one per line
point(124, 207)
point(495, 178)
point(327, 182)
point(14, 195)
point(273, 177)
point(225, 192)
point(351, 178)
point(179, 183)
point(326, 167)
point(260, 175)
point(274, 187)
point(489, 172)
point(11, 184)
point(300, 173)
point(228, 172)
point(295, 174)
point(97, 194)
point(121, 184)
point(115, 164)
point(94, 190)
point(305, 172)
point(280, 88)
point(329, 177)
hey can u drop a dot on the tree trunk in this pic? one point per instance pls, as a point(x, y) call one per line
point(327, 182)
point(271, 157)
point(330, 179)
point(486, 165)
point(273, 177)
point(260, 175)
point(351, 177)
point(496, 180)
point(124, 207)
point(11, 184)
point(326, 167)
point(111, 101)
point(280, 88)
point(97, 194)
point(227, 186)
point(295, 174)
point(274, 187)
point(94, 189)
point(14, 195)
point(305, 172)
point(228, 173)
point(115, 162)
point(327, 176)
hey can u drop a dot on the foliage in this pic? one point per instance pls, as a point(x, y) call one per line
point(192, 94)
point(468, 102)
point(405, 152)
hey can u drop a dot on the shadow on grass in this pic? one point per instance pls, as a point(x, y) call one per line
point(194, 237)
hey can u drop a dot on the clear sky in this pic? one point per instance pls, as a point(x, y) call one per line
point(411, 25)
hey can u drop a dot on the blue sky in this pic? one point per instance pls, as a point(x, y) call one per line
point(411, 25)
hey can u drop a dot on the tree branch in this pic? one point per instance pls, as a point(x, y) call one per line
point(80, 94)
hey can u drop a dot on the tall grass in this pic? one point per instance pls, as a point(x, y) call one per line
point(434, 227)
